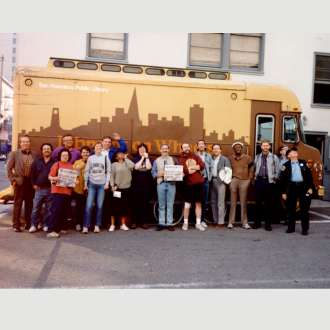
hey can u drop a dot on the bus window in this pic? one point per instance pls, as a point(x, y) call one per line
point(132, 69)
point(64, 64)
point(157, 72)
point(289, 129)
point(265, 125)
point(219, 76)
point(176, 73)
point(113, 68)
point(87, 66)
point(201, 75)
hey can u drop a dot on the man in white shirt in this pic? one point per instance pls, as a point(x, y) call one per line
point(221, 175)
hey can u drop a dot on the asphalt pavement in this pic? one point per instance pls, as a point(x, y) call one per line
point(216, 258)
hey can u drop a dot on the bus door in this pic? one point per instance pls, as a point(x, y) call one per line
point(326, 174)
point(265, 129)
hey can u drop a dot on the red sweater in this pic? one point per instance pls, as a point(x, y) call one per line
point(53, 172)
point(188, 161)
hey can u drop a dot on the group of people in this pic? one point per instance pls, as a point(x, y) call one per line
point(108, 179)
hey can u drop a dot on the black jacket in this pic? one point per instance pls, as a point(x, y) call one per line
point(286, 175)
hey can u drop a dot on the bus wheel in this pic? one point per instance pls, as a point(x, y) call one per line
point(177, 210)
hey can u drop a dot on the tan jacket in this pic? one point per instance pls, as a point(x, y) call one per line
point(14, 167)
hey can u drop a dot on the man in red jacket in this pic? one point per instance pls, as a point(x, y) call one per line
point(194, 184)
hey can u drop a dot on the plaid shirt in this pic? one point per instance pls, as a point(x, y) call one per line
point(27, 162)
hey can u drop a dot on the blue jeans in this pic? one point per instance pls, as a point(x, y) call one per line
point(41, 196)
point(166, 196)
point(95, 191)
point(57, 217)
point(207, 188)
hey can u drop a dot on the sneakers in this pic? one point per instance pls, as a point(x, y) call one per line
point(40, 226)
point(53, 234)
point(78, 228)
point(62, 232)
point(96, 229)
point(185, 226)
point(112, 228)
point(246, 226)
point(123, 227)
point(85, 230)
point(45, 229)
point(203, 223)
point(200, 227)
point(33, 229)
point(230, 226)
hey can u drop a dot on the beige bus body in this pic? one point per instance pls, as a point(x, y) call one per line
point(52, 101)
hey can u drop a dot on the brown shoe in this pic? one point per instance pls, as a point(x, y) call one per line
point(219, 226)
point(145, 226)
point(133, 226)
point(62, 232)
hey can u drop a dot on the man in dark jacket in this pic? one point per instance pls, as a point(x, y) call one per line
point(41, 184)
point(296, 183)
point(194, 184)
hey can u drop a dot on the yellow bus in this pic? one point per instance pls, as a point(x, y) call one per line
point(155, 105)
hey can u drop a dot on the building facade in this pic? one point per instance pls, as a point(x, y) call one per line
point(9, 50)
point(298, 61)
point(6, 116)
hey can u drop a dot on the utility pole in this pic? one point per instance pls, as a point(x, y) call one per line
point(1, 59)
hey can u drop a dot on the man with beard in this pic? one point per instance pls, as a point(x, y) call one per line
point(41, 184)
point(194, 184)
point(266, 167)
point(242, 167)
point(207, 174)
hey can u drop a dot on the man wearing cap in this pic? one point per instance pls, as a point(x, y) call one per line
point(242, 167)
point(296, 183)
point(266, 167)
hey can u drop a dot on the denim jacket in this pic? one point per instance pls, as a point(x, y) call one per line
point(208, 164)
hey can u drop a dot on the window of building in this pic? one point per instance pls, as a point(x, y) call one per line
point(321, 83)
point(14, 59)
point(236, 52)
point(14, 50)
point(112, 46)
point(14, 40)
point(13, 68)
